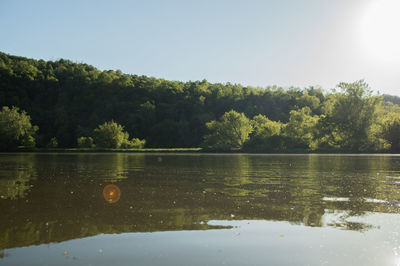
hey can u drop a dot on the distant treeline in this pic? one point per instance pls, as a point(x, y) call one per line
point(67, 101)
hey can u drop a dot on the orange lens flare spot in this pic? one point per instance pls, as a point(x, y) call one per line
point(111, 193)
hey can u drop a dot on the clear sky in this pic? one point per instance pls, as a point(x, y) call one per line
point(258, 43)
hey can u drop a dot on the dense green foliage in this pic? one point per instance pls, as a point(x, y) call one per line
point(85, 142)
point(262, 135)
point(348, 117)
point(112, 135)
point(15, 129)
point(230, 133)
point(351, 120)
point(53, 143)
point(69, 100)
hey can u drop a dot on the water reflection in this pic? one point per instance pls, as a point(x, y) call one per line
point(67, 196)
point(15, 175)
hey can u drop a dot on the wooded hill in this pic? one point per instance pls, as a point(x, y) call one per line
point(68, 100)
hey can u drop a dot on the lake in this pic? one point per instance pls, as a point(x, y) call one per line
point(199, 209)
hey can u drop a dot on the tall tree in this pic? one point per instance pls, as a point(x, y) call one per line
point(229, 133)
point(348, 117)
point(302, 127)
point(264, 129)
point(15, 129)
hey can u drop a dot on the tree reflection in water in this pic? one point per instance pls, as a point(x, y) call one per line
point(52, 198)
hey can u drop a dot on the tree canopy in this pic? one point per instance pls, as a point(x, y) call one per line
point(348, 117)
point(15, 129)
point(229, 133)
point(111, 135)
point(69, 100)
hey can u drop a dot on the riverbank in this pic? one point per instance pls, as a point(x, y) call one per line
point(187, 150)
point(96, 150)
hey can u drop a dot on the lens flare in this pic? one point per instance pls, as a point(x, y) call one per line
point(111, 193)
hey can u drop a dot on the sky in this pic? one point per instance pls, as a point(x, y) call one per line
point(261, 43)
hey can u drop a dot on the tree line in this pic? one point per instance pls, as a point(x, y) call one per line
point(69, 104)
point(17, 131)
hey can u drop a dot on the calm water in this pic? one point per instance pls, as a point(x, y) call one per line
point(190, 209)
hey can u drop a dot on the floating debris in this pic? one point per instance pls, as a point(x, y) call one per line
point(65, 253)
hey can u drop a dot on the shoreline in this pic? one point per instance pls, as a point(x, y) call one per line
point(190, 150)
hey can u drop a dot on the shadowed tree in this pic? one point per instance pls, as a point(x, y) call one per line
point(389, 131)
point(15, 129)
point(264, 129)
point(85, 142)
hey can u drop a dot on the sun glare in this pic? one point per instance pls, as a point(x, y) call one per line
point(381, 31)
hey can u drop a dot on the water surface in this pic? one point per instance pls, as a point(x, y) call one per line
point(198, 209)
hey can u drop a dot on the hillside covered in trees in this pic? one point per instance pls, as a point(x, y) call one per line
point(67, 101)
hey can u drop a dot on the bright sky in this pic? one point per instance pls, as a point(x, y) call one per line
point(258, 43)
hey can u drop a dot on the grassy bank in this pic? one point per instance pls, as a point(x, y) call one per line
point(188, 150)
point(110, 150)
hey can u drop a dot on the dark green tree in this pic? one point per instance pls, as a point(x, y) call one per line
point(264, 129)
point(15, 129)
point(385, 133)
point(85, 142)
point(302, 127)
point(53, 143)
point(348, 117)
point(110, 135)
point(134, 143)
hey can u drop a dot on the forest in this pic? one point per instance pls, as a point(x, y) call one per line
point(66, 104)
